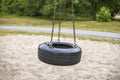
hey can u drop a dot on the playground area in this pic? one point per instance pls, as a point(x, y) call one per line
point(19, 60)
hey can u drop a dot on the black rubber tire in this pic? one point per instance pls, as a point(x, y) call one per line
point(61, 53)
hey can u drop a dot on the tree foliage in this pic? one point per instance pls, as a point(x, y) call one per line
point(85, 8)
point(104, 14)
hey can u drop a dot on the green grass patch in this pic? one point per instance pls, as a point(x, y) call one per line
point(113, 26)
point(23, 21)
point(11, 32)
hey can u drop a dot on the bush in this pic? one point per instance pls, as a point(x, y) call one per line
point(104, 15)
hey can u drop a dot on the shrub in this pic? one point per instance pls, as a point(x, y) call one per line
point(104, 15)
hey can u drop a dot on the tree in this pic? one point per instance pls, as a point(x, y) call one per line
point(84, 8)
point(104, 14)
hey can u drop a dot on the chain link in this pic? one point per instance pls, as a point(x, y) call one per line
point(60, 15)
point(73, 21)
point(53, 23)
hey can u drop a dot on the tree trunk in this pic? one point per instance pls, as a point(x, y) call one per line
point(65, 12)
point(94, 13)
point(94, 7)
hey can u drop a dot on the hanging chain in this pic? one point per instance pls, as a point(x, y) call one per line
point(53, 23)
point(73, 18)
point(60, 11)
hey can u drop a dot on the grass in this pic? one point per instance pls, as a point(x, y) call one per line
point(113, 26)
point(11, 32)
point(23, 21)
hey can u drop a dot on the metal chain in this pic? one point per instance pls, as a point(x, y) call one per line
point(73, 18)
point(53, 23)
point(60, 11)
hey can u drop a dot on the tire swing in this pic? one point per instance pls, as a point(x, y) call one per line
point(60, 53)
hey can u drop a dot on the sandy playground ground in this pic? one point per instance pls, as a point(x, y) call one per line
point(19, 61)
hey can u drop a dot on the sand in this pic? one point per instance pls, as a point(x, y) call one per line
point(19, 61)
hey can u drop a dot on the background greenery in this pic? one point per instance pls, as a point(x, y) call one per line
point(104, 15)
point(39, 13)
point(83, 8)
point(13, 20)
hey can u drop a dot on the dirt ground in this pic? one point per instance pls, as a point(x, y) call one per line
point(19, 61)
